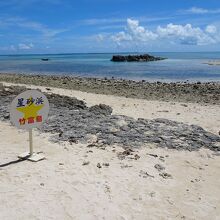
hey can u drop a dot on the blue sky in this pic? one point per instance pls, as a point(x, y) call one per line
point(65, 26)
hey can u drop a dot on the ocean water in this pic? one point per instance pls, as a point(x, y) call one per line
point(178, 66)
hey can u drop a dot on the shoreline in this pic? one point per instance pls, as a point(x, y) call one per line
point(199, 92)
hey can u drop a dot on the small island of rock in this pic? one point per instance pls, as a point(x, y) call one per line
point(135, 58)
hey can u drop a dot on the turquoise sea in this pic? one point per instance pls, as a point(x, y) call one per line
point(178, 66)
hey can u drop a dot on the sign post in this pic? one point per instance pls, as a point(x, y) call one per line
point(29, 110)
point(31, 142)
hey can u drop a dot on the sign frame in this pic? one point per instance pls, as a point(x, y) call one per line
point(29, 110)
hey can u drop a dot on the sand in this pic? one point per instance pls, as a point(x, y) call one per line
point(61, 187)
point(213, 63)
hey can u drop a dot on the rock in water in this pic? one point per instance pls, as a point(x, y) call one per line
point(135, 58)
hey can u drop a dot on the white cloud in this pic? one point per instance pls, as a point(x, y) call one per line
point(173, 33)
point(138, 32)
point(134, 32)
point(211, 29)
point(185, 34)
point(196, 10)
point(121, 36)
point(22, 46)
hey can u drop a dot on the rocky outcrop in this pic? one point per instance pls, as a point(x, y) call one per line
point(135, 58)
point(72, 120)
point(101, 109)
point(185, 91)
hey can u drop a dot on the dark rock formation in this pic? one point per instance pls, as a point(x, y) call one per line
point(202, 93)
point(71, 120)
point(135, 58)
point(101, 109)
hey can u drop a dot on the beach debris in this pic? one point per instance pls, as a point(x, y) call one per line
point(166, 175)
point(60, 134)
point(136, 157)
point(91, 145)
point(126, 166)
point(72, 140)
point(159, 167)
point(125, 153)
point(105, 164)
point(145, 174)
point(85, 163)
point(152, 194)
point(195, 180)
point(107, 189)
point(153, 155)
point(99, 165)
point(184, 105)
point(61, 164)
point(7, 116)
point(162, 158)
point(101, 109)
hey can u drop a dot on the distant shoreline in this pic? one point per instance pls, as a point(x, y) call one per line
point(179, 92)
point(213, 63)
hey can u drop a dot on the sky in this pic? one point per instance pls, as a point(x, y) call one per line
point(96, 26)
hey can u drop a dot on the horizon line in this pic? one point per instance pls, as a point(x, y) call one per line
point(25, 54)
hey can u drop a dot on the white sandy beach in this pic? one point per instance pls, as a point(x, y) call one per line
point(61, 187)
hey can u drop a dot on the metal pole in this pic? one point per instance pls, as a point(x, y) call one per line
point(31, 142)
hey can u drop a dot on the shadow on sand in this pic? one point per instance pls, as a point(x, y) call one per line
point(14, 162)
